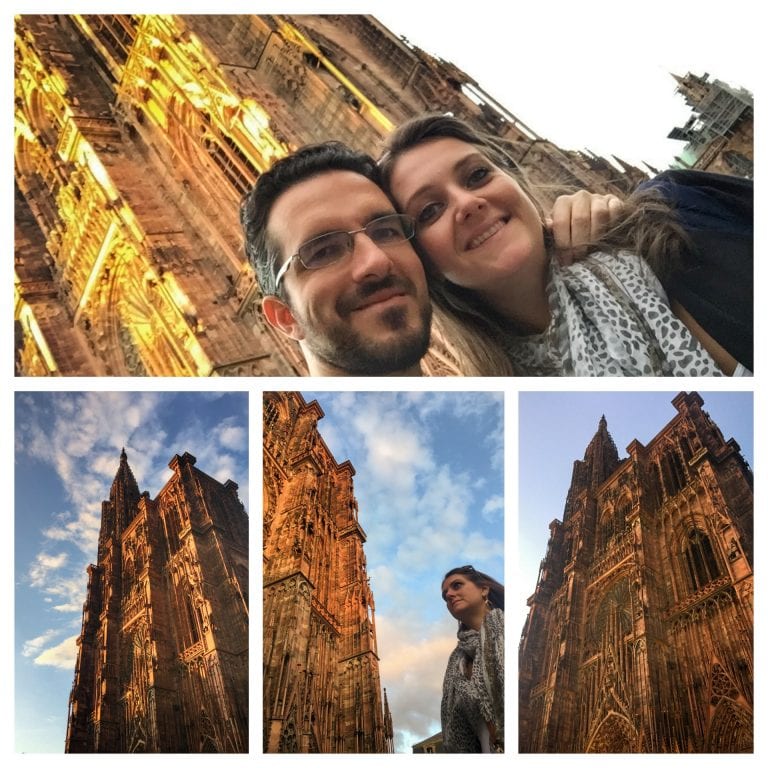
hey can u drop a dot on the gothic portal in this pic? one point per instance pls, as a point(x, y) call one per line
point(322, 691)
point(162, 663)
point(639, 634)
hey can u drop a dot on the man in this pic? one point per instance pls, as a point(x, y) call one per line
point(337, 265)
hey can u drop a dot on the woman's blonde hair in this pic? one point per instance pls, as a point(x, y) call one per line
point(647, 226)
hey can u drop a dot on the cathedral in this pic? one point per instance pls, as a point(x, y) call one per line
point(322, 691)
point(639, 633)
point(162, 661)
point(720, 134)
point(135, 139)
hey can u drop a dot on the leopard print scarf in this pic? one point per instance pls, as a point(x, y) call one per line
point(610, 317)
point(472, 710)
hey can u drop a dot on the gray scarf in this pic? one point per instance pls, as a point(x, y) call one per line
point(610, 317)
point(470, 706)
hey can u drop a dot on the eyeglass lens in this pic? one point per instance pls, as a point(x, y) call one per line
point(332, 246)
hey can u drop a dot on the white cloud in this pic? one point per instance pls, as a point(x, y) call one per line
point(61, 656)
point(33, 646)
point(493, 508)
point(68, 607)
point(80, 529)
point(44, 563)
point(479, 547)
point(413, 660)
point(233, 437)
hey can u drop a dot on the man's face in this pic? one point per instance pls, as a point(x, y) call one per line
point(367, 313)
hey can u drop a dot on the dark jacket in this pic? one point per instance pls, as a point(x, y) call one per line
point(716, 281)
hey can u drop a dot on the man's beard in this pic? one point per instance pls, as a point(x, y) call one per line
point(344, 348)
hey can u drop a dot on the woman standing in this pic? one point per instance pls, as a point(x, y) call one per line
point(472, 709)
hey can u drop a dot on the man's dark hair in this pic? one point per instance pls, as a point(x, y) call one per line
point(303, 164)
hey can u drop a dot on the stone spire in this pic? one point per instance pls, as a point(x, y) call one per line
point(117, 513)
point(601, 456)
point(600, 459)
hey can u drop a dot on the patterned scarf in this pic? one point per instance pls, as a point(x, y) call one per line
point(471, 707)
point(610, 317)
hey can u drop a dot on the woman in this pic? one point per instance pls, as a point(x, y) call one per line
point(472, 709)
point(507, 305)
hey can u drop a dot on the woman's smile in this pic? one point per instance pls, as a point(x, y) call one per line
point(477, 241)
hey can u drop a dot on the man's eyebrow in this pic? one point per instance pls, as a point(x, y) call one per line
point(379, 215)
point(367, 220)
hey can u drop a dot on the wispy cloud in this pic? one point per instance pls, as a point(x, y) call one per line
point(493, 509)
point(43, 565)
point(418, 666)
point(231, 435)
point(36, 644)
point(61, 656)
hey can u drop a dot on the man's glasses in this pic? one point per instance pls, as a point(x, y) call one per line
point(326, 249)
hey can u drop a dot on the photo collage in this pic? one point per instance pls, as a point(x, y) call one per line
point(327, 271)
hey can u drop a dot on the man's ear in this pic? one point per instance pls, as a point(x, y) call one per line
point(279, 315)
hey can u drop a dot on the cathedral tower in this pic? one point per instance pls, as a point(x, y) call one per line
point(639, 634)
point(322, 691)
point(720, 134)
point(162, 662)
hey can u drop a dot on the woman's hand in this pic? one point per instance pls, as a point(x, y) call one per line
point(578, 220)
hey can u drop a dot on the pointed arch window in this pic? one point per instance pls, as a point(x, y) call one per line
point(700, 561)
point(673, 471)
point(192, 624)
point(271, 414)
point(607, 527)
point(623, 511)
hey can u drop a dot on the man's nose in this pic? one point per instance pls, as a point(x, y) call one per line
point(368, 258)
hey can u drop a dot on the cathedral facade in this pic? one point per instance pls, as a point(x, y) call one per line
point(322, 691)
point(639, 633)
point(720, 134)
point(162, 662)
point(136, 138)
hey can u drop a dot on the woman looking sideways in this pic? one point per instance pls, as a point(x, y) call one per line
point(472, 708)
point(500, 295)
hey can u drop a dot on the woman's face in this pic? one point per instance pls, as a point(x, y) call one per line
point(463, 597)
point(474, 221)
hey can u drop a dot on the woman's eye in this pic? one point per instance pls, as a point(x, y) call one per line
point(429, 213)
point(478, 175)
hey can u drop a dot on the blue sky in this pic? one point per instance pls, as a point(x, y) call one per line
point(430, 486)
point(555, 429)
point(67, 452)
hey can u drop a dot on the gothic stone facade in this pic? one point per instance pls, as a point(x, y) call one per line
point(720, 134)
point(322, 691)
point(639, 635)
point(162, 662)
point(135, 140)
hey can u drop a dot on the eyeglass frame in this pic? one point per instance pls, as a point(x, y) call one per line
point(402, 217)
